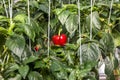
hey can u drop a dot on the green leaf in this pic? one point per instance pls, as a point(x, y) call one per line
point(53, 22)
point(63, 16)
point(44, 8)
point(116, 35)
point(30, 59)
point(90, 52)
point(38, 15)
point(3, 18)
point(70, 6)
point(27, 29)
point(35, 26)
point(23, 70)
point(84, 69)
point(107, 43)
point(33, 75)
point(56, 65)
point(83, 73)
point(117, 41)
point(10, 68)
point(109, 66)
point(62, 75)
point(89, 64)
point(17, 77)
point(16, 44)
point(57, 49)
point(70, 56)
point(2, 39)
point(58, 11)
point(21, 18)
point(95, 22)
point(58, 69)
point(72, 75)
point(71, 23)
point(71, 46)
point(3, 30)
point(34, 4)
point(40, 64)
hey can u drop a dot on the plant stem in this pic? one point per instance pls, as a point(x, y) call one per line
point(59, 31)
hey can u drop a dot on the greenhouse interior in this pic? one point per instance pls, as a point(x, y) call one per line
point(59, 39)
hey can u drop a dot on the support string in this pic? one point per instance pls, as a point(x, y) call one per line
point(5, 8)
point(110, 12)
point(93, 3)
point(80, 52)
point(91, 20)
point(28, 10)
point(49, 28)
point(10, 10)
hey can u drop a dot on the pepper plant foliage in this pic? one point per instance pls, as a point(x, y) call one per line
point(20, 61)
